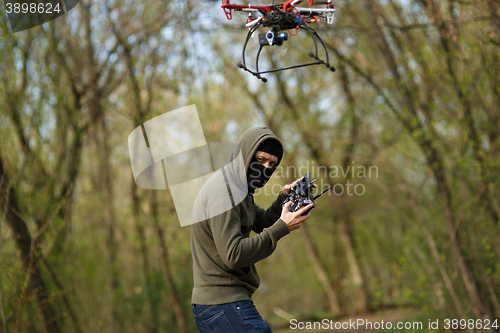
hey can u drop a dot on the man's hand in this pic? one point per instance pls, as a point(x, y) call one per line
point(294, 219)
point(286, 189)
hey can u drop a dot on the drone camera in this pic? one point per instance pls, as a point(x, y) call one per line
point(271, 38)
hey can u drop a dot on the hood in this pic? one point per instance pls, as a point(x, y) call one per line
point(251, 139)
point(239, 161)
point(227, 187)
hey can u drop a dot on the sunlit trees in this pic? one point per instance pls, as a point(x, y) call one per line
point(415, 94)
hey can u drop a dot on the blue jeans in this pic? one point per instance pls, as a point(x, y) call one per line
point(236, 317)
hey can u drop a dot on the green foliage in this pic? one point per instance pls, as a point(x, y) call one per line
point(415, 95)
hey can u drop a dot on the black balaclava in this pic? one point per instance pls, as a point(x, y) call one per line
point(258, 174)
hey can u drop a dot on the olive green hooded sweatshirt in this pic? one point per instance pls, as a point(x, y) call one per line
point(224, 255)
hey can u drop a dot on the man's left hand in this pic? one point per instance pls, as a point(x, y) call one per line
point(286, 189)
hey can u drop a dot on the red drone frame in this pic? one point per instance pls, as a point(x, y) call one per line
point(280, 18)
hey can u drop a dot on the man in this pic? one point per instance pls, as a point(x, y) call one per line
point(224, 255)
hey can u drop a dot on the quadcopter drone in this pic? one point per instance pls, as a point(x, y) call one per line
point(301, 195)
point(281, 19)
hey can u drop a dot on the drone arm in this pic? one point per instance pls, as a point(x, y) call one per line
point(328, 12)
point(315, 10)
point(289, 3)
point(228, 7)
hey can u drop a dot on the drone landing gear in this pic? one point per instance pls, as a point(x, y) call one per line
point(257, 75)
point(302, 25)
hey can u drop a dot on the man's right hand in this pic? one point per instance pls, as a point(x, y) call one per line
point(294, 219)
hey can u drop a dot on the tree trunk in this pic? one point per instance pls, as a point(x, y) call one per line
point(479, 309)
point(331, 295)
point(165, 265)
point(97, 114)
point(61, 288)
point(153, 326)
point(433, 247)
point(347, 236)
point(28, 257)
point(362, 305)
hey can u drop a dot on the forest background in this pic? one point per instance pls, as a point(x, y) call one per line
point(416, 94)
